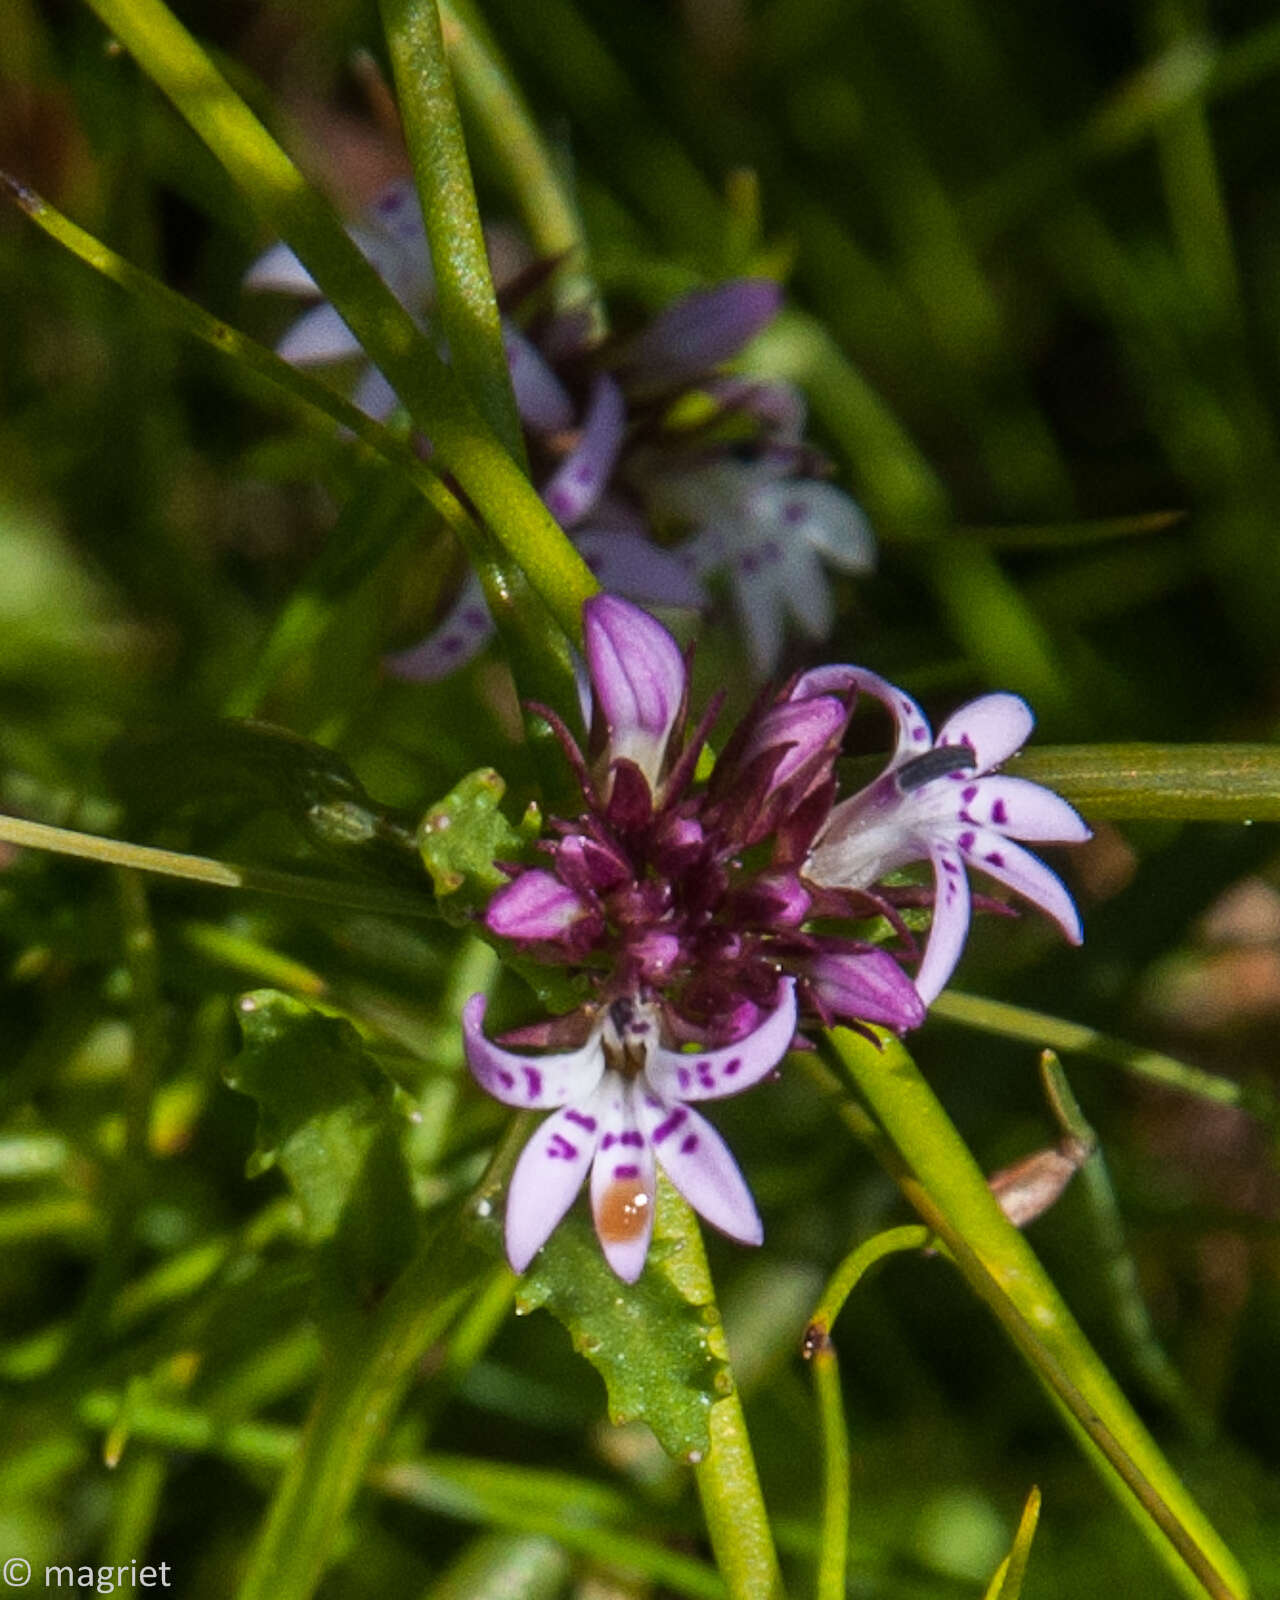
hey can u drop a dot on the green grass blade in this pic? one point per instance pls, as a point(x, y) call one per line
point(464, 284)
point(1180, 782)
point(465, 445)
point(938, 1174)
point(514, 144)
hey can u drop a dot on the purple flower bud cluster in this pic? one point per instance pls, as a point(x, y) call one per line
point(690, 905)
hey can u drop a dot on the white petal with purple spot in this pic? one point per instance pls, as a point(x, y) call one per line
point(712, 1074)
point(547, 1178)
point(531, 1082)
point(700, 1165)
point(1021, 809)
point(950, 923)
point(1022, 872)
point(993, 726)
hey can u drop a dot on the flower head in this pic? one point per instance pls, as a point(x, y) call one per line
point(936, 801)
point(621, 1109)
point(656, 503)
point(691, 911)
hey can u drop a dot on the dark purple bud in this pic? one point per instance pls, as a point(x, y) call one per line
point(864, 985)
point(701, 330)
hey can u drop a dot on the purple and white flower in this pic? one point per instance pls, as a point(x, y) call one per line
point(773, 531)
point(621, 1109)
point(941, 800)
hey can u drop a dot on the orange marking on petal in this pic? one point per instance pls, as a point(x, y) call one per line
point(624, 1211)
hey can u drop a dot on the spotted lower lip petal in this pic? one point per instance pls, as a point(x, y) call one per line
point(1022, 872)
point(623, 1182)
point(577, 484)
point(547, 1178)
point(533, 1082)
point(701, 1167)
point(950, 924)
point(713, 1074)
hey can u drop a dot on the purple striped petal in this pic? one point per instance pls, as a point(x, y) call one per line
point(713, 1074)
point(700, 1165)
point(993, 726)
point(547, 1178)
point(541, 399)
point(913, 733)
point(811, 727)
point(950, 923)
point(538, 1082)
point(623, 1182)
point(536, 907)
point(703, 329)
point(628, 564)
point(638, 679)
point(1010, 864)
point(465, 631)
point(1021, 809)
point(866, 986)
point(577, 484)
point(318, 336)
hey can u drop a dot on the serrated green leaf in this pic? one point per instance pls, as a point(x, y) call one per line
point(656, 1350)
point(328, 1120)
point(464, 835)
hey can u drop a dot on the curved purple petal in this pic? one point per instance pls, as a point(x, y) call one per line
point(914, 736)
point(714, 1074)
point(623, 1182)
point(578, 482)
point(318, 336)
point(811, 727)
point(466, 629)
point(538, 1082)
point(702, 329)
point(866, 986)
point(701, 1166)
point(950, 922)
point(1027, 875)
point(278, 271)
point(1023, 810)
point(547, 1178)
point(638, 679)
point(541, 399)
point(628, 564)
point(993, 726)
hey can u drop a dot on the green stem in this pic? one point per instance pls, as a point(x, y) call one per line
point(833, 1555)
point(438, 403)
point(845, 1279)
point(219, 874)
point(533, 181)
point(728, 1485)
point(1180, 782)
point(464, 284)
point(1077, 1038)
point(935, 1170)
